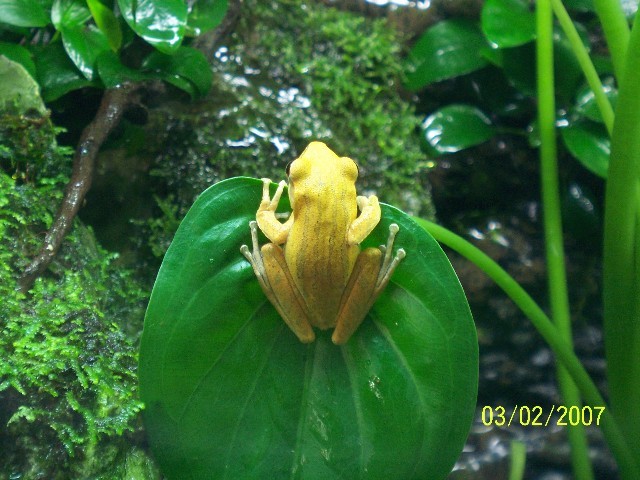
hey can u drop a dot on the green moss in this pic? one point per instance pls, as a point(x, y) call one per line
point(68, 348)
point(67, 380)
point(351, 69)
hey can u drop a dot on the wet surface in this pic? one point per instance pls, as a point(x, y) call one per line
point(490, 197)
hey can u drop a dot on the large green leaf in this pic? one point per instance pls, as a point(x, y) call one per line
point(160, 22)
point(231, 393)
point(448, 49)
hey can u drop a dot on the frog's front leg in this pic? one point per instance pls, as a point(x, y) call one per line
point(370, 275)
point(369, 217)
point(274, 277)
point(273, 229)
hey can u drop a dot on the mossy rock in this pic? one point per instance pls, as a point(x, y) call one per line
point(69, 406)
point(290, 73)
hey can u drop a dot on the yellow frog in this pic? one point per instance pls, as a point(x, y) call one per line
point(321, 278)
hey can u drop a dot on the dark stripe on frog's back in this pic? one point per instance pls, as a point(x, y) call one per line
point(316, 270)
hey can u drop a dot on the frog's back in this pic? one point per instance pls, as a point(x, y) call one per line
point(317, 253)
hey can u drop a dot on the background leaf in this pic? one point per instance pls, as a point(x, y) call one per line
point(456, 127)
point(113, 72)
point(107, 23)
point(56, 73)
point(567, 72)
point(579, 5)
point(23, 13)
point(589, 143)
point(585, 103)
point(207, 14)
point(83, 45)
point(69, 13)
point(231, 393)
point(187, 69)
point(508, 23)
point(159, 22)
point(18, 89)
point(448, 49)
point(18, 54)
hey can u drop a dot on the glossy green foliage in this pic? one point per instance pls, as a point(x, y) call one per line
point(107, 22)
point(505, 91)
point(183, 70)
point(585, 103)
point(456, 127)
point(448, 49)
point(93, 30)
point(589, 143)
point(230, 392)
point(83, 46)
point(56, 73)
point(207, 14)
point(23, 13)
point(160, 23)
point(508, 23)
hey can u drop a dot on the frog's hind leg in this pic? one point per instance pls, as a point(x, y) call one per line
point(369, 277)
point(276, 281)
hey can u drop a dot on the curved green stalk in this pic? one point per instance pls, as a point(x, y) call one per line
point(554, 244)
point(518, 460)
point(579, 50)
point(616, 31)
point(622, 252)
point(549, 332)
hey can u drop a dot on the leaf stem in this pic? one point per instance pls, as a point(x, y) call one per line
point(554, 244)
point(622, 252)
point(616, 31)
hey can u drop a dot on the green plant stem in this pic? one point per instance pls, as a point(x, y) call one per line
point(542, 323)
point(622, 252)
point(557, 281)
point(616, 31)
point(518, 460)
point(585, 62)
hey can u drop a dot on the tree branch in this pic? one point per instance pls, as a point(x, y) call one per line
point(114, 102)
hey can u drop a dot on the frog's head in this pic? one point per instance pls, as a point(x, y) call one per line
point(318, 169)
point(318, 163)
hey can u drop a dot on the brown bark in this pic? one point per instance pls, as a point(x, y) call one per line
point(114, 102)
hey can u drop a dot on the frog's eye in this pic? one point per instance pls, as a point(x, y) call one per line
point(287, 169)
point(356, 165)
